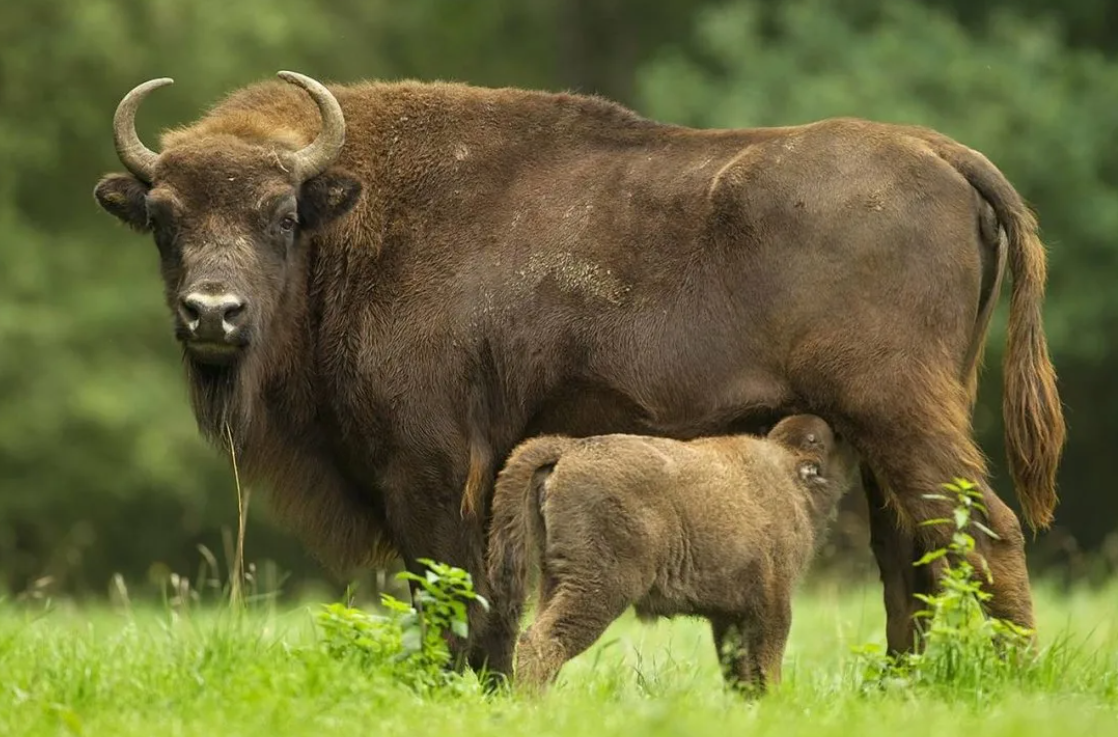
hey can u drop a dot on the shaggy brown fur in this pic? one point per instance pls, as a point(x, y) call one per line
point(719, 527)
point(483, 265)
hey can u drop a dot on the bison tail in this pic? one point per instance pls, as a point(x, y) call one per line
point(1031, 409)
point(517, 531)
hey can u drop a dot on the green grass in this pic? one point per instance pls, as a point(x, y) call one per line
point(151, 672)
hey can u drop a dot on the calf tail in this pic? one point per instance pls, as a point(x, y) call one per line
point(517, 532)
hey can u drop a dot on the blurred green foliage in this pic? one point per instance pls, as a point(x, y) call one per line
point(101, 469)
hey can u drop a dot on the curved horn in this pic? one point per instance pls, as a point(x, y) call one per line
point(136, 157)
point(313, 160)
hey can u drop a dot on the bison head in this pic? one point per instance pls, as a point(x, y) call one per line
point(227, 206)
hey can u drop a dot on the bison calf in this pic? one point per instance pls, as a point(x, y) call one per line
point(719, 527)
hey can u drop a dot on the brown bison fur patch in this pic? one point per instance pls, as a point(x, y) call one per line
point(720, 527)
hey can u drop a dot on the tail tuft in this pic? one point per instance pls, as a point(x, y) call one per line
point(1032, 411)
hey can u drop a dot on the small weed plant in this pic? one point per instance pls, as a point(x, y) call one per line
point(409, 642)
point(960, 648)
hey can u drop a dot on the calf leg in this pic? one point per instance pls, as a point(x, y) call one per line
point(767, 640)
point(751, 647)
point(731, 649)
point(570, 620)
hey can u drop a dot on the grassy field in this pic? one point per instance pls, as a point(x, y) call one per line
point(151, 672)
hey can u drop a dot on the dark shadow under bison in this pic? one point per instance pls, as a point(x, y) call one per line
point(382, 288)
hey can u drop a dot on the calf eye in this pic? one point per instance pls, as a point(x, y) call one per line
point(288, 223)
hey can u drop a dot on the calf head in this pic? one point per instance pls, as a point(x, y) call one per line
point(822, 455)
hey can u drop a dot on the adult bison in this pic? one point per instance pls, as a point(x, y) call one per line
point(381, 288)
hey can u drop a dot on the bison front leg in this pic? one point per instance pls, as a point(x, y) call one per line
point(424, 529)
point(459, 647)
point(732, 651)
point(489, 646)
point(492, 644)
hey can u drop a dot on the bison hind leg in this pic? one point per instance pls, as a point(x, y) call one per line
point(914, 433)
point(894, 549)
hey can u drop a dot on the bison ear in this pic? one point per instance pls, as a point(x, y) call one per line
point(124, 196)
point(327, 197)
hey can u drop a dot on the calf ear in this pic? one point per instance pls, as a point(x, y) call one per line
point(327, 197)
point(123, 196)
point(809, 471)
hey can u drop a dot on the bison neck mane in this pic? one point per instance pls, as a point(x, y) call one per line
point(410, 123)
point(273, 110)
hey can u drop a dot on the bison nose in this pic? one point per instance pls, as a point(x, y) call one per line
point(211, 316)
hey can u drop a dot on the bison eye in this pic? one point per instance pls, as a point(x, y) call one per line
point(288, 223)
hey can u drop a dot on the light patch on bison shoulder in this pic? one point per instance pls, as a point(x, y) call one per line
point(574, 275)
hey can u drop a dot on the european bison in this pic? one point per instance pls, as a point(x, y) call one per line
point(381, 288)
point(717, 527)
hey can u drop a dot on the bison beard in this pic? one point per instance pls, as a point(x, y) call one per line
point(213, 394)
point(431, 273)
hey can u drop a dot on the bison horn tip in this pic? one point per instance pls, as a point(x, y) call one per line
point(137, 157)
point(321, 153)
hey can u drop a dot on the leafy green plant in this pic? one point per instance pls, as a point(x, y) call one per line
point(442, 596)
point(409, 641)
point(959, 634)
point(959, 646)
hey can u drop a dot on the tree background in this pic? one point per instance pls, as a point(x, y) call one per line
point(101, 469)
